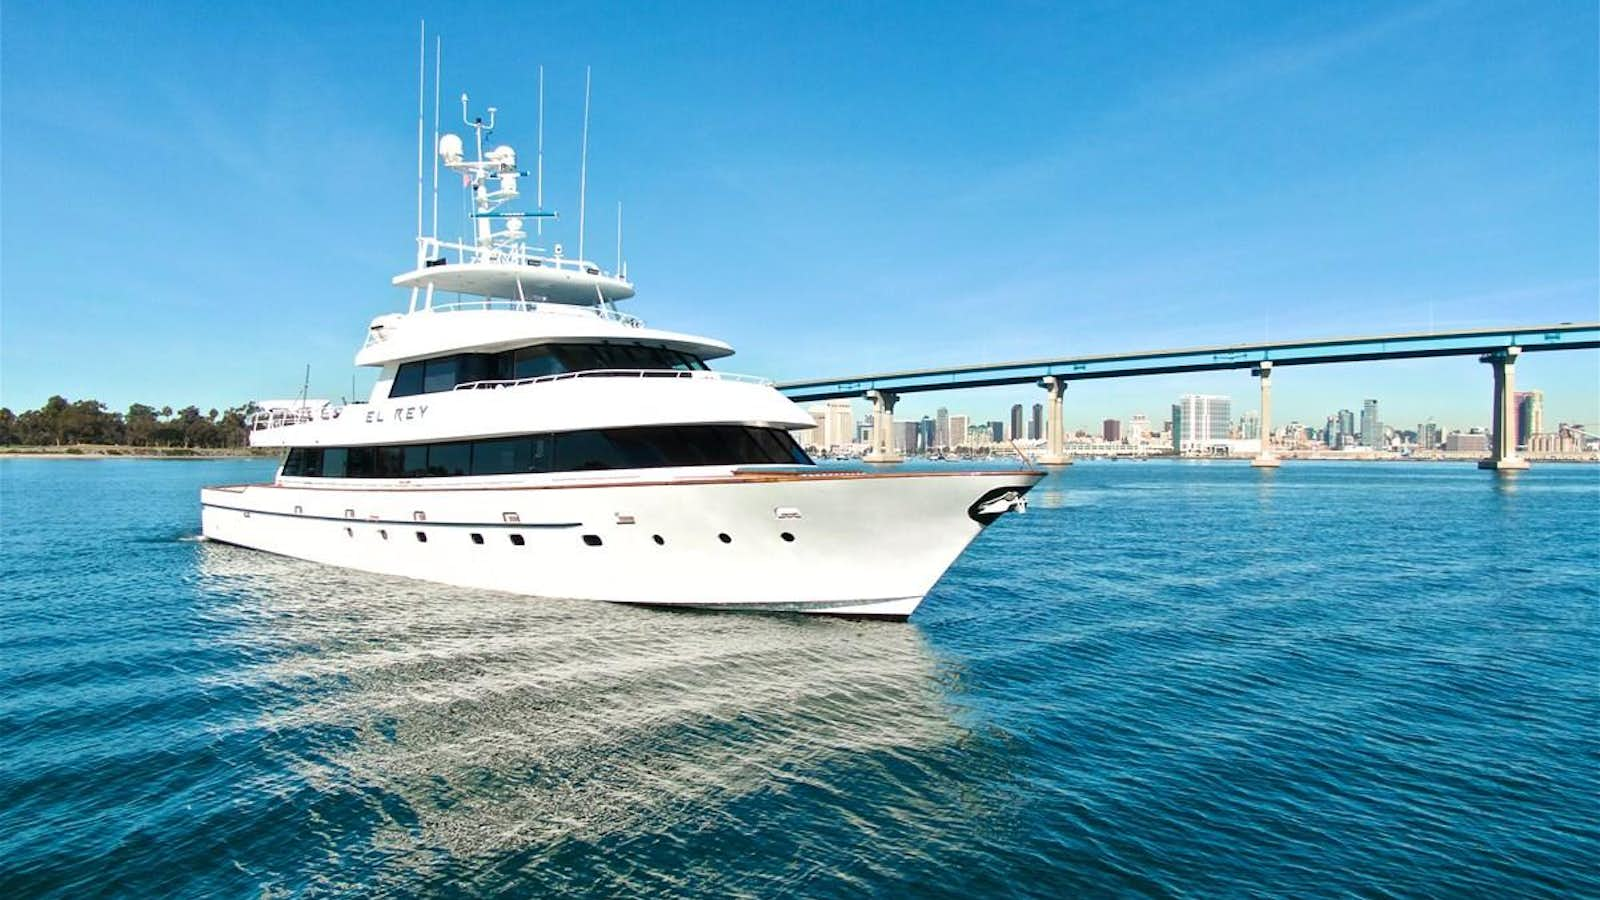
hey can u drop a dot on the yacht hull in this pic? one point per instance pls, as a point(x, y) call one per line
point(840, 543)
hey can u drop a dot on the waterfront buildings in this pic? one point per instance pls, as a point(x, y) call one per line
point(1138, 428)
point(1200, 422)
point(1474, 441)
point(1566, 439)
point(833, 425)
point(906, 434)
point(1530, 416)
point(1371, 427)
point(957, 431)
point(1428, 437)
point(1250, 425)
point(1199, 426)
point(841, 423)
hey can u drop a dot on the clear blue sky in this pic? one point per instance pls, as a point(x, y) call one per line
point(196, 204)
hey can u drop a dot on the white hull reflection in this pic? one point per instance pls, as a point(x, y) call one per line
point(487, 725)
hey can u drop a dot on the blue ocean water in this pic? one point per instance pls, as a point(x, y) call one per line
point(1166, 679)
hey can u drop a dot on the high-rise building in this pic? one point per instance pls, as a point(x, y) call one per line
point(1428, 436)
point(1346, 433)
point(927, 440)
point(1036, 423)
point(841, 424)
point(817, 435)
point(956, 431)
point(1200, 421)
point(997, 432)
point(1530, 416)
point(1016, 422)
point(1250, 425)
point(1111, 430)
point(1138, 428)
point(1371, 428)
point(941, 428)
point(905, 437)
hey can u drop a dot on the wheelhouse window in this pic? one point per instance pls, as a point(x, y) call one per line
point(445, 373)
point(573, 451)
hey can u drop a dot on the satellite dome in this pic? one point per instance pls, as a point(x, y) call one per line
point(450, 148)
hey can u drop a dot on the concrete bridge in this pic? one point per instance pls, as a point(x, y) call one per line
point(1498, 347)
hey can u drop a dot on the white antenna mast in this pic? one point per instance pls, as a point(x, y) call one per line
point(619, 237)
point(583, 167)
point(422, 70)
point(438, 53)
point(538, 222)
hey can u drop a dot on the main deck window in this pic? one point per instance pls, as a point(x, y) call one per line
point(572, 451)
point(428, 376)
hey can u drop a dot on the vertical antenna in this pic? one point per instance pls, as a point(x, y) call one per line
point(438, 53)
point(583, 167)
point(619, 237)
point(538, 221)
point(422, 74)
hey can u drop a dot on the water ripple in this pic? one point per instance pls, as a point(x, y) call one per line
point(1166, 680)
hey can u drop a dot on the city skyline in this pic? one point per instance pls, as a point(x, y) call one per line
point(1214, 420)
point(1241, 411)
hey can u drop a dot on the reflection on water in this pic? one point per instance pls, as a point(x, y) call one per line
point(488, 722)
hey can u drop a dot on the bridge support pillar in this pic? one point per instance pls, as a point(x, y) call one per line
point(883, 450)
point(1055, 428)
point(1503, 442)
point(1265, 458)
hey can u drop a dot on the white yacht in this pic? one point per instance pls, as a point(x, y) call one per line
point(525, 436)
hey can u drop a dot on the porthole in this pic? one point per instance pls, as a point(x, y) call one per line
point(723, 537)
point(787, 537)
point(516, 540)
point(422, 537)
point(660, 541)
point(477, 538)
point(592, 540)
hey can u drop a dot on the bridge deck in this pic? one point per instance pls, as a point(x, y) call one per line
point(1530, 338)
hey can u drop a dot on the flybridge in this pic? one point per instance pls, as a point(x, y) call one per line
point(502, 261)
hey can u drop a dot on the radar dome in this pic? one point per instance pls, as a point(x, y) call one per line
point(503, 155)
point(450, 148)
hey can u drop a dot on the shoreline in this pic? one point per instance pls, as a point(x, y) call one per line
point(100, 451)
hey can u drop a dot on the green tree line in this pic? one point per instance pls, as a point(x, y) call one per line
point(62, 421)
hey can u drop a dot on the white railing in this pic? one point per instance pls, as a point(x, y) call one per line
point(534, 306)
point(515, 254)
point(377, 335)
point(613, 373)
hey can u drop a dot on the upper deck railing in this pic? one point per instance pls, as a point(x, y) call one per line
point(377, 335)
point(613, 373)
point(435, 250)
